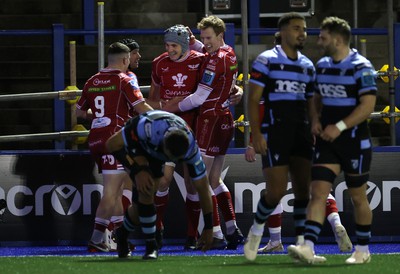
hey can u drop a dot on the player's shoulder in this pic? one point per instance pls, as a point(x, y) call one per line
point(227, 50)
point(324, 61)
point(125, 76)
point(196, 54)
point(359, 61)
point(305, 61)
point(195, 58)
point(91, 78)
point(266, 56)
point(131, 74)
point(161, 57)
point(227, 54)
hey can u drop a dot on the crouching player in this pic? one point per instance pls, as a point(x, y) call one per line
point(143, 145)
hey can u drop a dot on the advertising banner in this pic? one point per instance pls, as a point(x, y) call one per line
point(53, 197)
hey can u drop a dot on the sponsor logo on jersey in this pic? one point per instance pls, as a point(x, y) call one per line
point(102, 89)
point(212, 61)
point(233, 67)
point(165, 69)
point(179, 79)
point(169, 94)
point(331, 90)
point(226, 126)
point(148, 129)
point(211, 67)
point(214, 149)
point(98, 81)
point(290, 86)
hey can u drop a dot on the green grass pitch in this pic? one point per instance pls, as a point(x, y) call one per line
point(274, 264)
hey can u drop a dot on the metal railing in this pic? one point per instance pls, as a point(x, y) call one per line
point(58, 34)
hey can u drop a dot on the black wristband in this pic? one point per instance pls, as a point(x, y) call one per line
point(208, 221)
point(135, 169)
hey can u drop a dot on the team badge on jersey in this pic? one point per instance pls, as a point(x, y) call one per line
point(179, 79)
point(134, 83)
point(208, 77)
point(193, 67)
point(367, 79)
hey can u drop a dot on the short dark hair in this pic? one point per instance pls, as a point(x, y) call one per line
point(336, 25)
point(131, 43)
point(177, 142)
point(118, 48)
point(284, 20)
point(278, 38)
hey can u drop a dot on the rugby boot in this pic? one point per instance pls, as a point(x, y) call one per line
point(121, 238)
point(343, 239)
point(234, 239)
point(191, 244)
point(251, 246)
point(218, 244)
point(98, 247)
point(305, 254)
point(272, 247)
point(151, 250)
point(359, 257)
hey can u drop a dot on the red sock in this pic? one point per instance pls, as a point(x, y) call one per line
point(216, 221)
point(101, 224)
point(225, 205)
point(331, 207)
point(110, 226)
point(274, 220)
point(193, 213)
point(160, 204)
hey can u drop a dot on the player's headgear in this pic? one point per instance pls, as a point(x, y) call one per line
point(178, 34)
point(130, 43)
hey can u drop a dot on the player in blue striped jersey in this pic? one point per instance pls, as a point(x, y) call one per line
point(346, 95)
point(284, 77)
point(143, 145)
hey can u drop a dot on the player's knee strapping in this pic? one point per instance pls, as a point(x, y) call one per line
point(356, 181)
point(321, 173)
